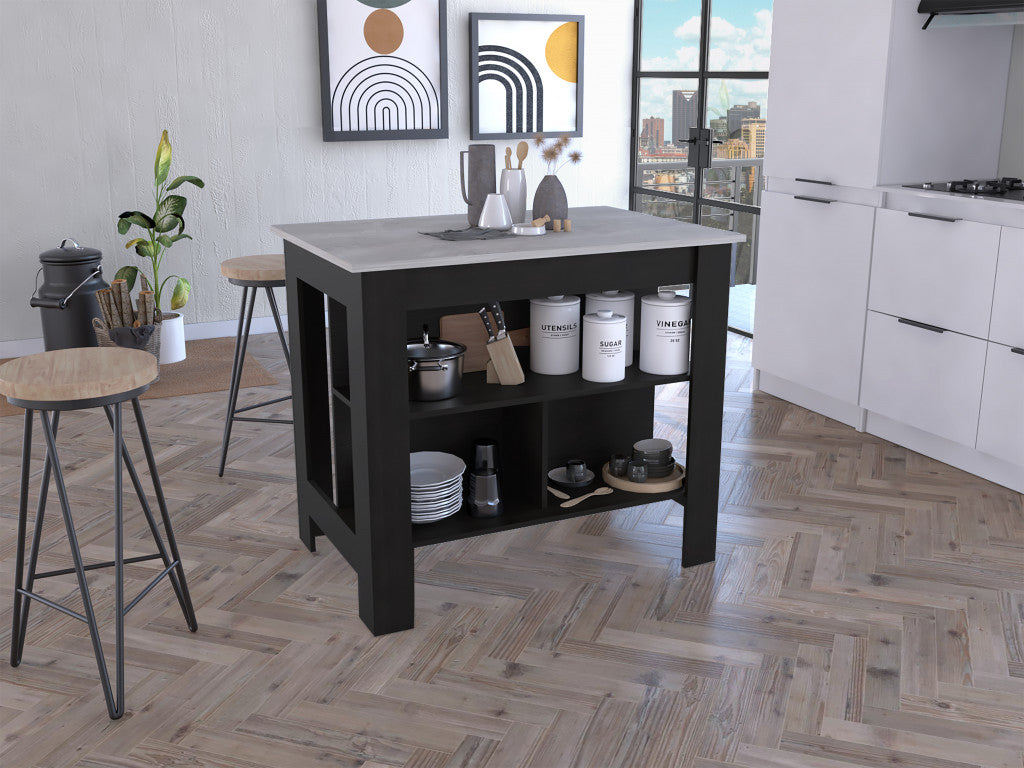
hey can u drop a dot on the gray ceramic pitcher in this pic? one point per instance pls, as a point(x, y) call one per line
point(480, 177)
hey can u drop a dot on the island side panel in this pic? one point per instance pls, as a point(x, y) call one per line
point(707, 399)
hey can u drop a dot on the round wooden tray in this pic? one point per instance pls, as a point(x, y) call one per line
point(652, 485)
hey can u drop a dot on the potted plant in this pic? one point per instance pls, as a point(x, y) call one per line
point(159, 236)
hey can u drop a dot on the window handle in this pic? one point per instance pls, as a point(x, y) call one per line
point(918, 324)
point(813, 199)
point(930, 216)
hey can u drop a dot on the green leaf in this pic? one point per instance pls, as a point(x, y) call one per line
point(168, 213)
point(182, 179)
point(134, 217)
point(163, 159)
point(176, 238)
point(128, 274)
point(145, 249)
point(181, 291)
point(123, 225)
point(134, 242)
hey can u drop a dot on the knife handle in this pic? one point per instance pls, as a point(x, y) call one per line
point(499, 319)
point(487, 323)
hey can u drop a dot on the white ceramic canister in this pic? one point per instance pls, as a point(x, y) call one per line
point(621, 303)
point(604, 346)
point(555, 335)
point(665, 333)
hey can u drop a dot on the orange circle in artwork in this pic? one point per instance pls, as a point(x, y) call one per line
point(383, 31)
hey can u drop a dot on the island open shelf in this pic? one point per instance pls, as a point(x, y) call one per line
point(354, 424)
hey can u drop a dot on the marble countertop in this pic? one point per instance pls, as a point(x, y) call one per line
point(379, 245)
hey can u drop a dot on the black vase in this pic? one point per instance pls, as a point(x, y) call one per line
point(549, 199)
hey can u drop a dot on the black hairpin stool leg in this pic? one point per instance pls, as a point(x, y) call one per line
point(241, 341)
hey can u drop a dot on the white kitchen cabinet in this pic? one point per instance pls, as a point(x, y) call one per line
point(1008, 297)
point(827, 90)
point(1001, 425)
point(926, 379)
point(934, 271)
point(812, 292)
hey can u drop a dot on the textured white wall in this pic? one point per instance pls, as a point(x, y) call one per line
point(86, 86)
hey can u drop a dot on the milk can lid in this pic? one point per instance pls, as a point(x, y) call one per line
point(556, 301)
point(604, 316)
point(69, 252)
point(622, 296)
point(665, 299)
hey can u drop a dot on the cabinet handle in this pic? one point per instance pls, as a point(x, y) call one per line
point(815, 181)
point(1017, 350)
point(933, 218)
point(824, 200)
point(918, 324)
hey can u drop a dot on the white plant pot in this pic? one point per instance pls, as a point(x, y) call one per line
point(172, 338)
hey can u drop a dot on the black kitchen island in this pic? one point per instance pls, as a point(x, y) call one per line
point(358, 290)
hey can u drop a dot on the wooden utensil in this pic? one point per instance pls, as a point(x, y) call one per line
point(467, 329)
point(558, 494)
point(602, 491)
point(508, 159)
point(522, 148)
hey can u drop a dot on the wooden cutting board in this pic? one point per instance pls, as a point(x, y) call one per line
point(469, 329)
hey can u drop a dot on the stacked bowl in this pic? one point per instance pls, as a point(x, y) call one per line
point(435, 481)
point(658, 455)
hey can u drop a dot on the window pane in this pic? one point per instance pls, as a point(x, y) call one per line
point(661, 162)
point(670, 36)
point(736, 221)
point(741, 35)
point(667, 209)
point(735, 180)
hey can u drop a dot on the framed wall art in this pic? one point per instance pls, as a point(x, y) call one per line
point(526, 75)
point(383, 69)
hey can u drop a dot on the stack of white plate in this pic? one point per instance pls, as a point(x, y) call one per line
point(436, 485)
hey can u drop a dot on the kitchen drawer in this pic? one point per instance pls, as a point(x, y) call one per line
point(1008, 298)
point(938, 272)
point(812, 283)
point(1001, 426)
point(922, 378)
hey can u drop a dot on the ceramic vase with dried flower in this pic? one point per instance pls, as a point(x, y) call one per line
point(550, 199)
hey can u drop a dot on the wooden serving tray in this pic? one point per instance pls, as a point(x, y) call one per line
point(656, 485)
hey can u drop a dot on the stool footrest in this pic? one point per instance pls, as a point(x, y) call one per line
point(151, 584)
point(51, 604)
point(265, 421)
point(260, 405)
point(94, 566)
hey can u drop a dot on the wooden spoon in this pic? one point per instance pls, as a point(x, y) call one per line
point(603, 491)
point(522, 148)
point(508, 159)
point(558, 494)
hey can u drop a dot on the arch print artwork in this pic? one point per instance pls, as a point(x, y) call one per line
point(526, 75)
point(383, 69)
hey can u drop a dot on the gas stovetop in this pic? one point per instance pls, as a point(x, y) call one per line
point(1006, 188)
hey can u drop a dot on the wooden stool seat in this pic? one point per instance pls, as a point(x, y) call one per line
point(265, 268)
point(84, 373)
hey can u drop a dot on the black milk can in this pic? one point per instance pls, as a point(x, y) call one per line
point(67, 298)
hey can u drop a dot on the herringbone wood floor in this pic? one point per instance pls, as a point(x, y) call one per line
point(865, 609)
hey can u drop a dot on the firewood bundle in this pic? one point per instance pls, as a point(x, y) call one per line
point(116, 306)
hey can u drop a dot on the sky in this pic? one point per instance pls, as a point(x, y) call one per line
point(740, 40)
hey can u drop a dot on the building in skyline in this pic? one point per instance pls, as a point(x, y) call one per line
point(684, 115)
point(732, 149)
point(752, 132)
point(719, 128)
point(653, 136)
point(738, 113)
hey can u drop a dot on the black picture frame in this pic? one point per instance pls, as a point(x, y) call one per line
point(518, 130)
point(331, 132)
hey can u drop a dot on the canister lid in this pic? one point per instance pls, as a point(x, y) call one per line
point(69, 252)
point(604, 316)
point(665, 299)
point(556, 301)
point(609, 296)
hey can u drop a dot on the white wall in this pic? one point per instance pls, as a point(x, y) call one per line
point(1011, 153)
point(86, 86)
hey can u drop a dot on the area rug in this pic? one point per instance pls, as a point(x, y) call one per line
point(206, 368)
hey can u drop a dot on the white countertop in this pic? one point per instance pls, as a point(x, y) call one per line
point(379, 245)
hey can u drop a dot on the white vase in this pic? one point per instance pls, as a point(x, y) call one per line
point(495, 213)
point(513, 187)
point(172, 338)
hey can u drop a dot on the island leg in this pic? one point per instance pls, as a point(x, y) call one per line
point(380, 427)
point(707, 399)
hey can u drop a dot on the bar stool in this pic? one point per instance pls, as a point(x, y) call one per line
point(252, 273)
point(71, 379)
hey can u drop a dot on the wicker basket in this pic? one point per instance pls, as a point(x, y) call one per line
point(152, 344)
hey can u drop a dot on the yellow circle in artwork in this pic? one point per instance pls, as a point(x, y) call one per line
point(560, 51)
point(383, 31)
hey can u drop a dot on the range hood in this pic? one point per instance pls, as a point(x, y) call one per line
point(963, 13)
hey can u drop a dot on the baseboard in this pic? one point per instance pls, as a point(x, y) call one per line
point(211, 330)
point(847, 413)
point(948, 452)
